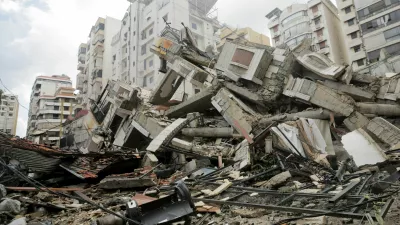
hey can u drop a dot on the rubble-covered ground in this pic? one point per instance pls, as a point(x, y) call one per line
point(268, 136)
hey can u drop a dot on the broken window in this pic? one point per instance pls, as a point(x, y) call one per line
point(360, 62)
point(320, 32)
point(354, 35)
point(242, 57)
point(350, 22)
point(347, 9)
point(314, 9)
point(143, 49)
point(322, 45)
point(357, 48)
point(317, 21)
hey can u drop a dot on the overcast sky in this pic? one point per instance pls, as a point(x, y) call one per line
point(41, 37)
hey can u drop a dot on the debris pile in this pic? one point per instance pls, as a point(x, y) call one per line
point(268, 135)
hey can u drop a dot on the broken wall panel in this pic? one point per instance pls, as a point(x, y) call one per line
point(165, 134)
point(288, 138)
point(243, 62)
point(384, 131)
point(234, 112)
point(356, 120)
point(197, 103)
point(363, 148)
point(379, 109)
point(319, 95)
point(354, 92)
point(166, 88)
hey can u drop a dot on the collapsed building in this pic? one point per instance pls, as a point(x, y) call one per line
point(259, 114)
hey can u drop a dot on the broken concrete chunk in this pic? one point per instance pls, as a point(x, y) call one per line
point(182, 144)
point(249, 213)
point(363, 148)
point(275, 180)
point(166, 88)
point(10, 205)
point(379, 109)
point(242, 155)
point(221, 188)
point(320, 95)
point(156, 143)
point(384, 131)
point(125, 183)
point(149, 160)
point(355, 92)
point(235, 112)
point(356, 120)
point(243, 62)
point(210, 132)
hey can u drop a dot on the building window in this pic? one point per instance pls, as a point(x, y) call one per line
point(151, 79)
point(66, 108)
point(194, 26)
point(320, 32)
point(322, 45)
point(143, 35)
point(148, 19)
point(392, 34)
point(354, 35)
point(151, 63)
point(276, 28)
point(12, 98)
point(66, 100)
point(314, 9)
point(56, 107)
point(347, 10)
point(114, 57)
point(145, 64)
point(11, 109)
point(317, 21)
point(143, 49)
point(134, 48)
point(360, 62)
point(357, 48)
point(8, 131)
point(350, 22)
point(150, 31)
point(10, 114)
point(134, 33)
point(2, 114)
point(134, 63)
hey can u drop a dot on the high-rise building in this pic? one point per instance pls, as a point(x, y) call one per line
point(95, 60)
point(52, 101)
point(143, 22)
point(317, 20)
point(8, 113)
point(370, 26)
point(248, 34)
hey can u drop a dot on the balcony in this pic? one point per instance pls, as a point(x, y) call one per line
point(98, 50)
point(318, 26)
point(361, 18)
point(350, 29)
point(273, 23)
point(316, 14)
point(348, 16)
point(354, 42)
point(354, 56)
point(344, 4)
point(324, 50)
point(80, 66)
point(50, 111)
point(321, 38)
point(39, 121)
point(276, 34)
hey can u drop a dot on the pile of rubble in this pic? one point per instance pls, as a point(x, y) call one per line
point(268, 136)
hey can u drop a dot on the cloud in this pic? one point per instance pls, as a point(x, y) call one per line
point(42, 37)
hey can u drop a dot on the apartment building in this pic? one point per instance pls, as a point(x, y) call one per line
point(143, 22)
point(95, 60)
point(8, 113)
point(52, 101)
point(369, 27)
point(229, 33)
point(317, 20)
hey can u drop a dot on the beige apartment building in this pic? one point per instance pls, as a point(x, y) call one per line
point(317, 20)
point(8, 113)
point(370, 26)
point(228, 33)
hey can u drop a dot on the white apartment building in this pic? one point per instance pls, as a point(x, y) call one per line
point(95, 60)
point(370, 26)
point(318, 20)
point(9, 113)
point(52, 101)
point(143, 22)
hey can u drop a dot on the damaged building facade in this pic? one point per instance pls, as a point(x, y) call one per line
point(278, 134)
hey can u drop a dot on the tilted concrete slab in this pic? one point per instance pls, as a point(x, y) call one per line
point(197, 103)
point(232, 110)
point(355, 92)
point(156, 143)
point(166, 88)
point(320, 95)
point(384, 131)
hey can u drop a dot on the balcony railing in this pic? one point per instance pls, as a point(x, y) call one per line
point(378, 11)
